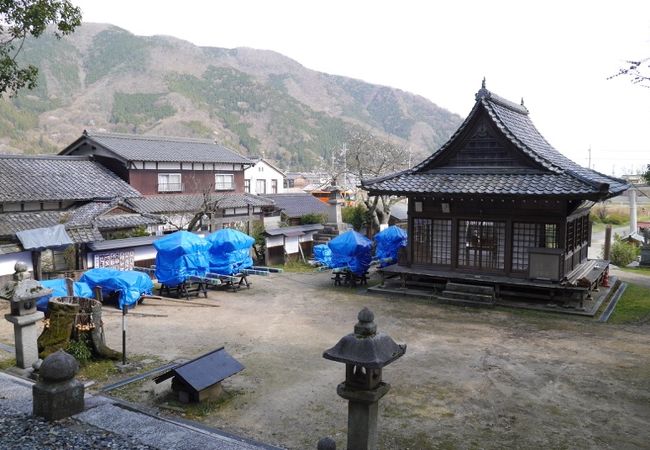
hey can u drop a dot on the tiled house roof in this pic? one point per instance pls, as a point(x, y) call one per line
point(162, 149)
point(546, 172)
point(298, 204)
point(179, 203)
point(57, 178)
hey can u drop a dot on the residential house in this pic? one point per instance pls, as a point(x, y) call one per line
point(293, 206)
point(188, 180)
point(263, 178)
point(497, 204)
point(44, 191)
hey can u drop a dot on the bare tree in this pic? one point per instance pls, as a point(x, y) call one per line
point(368, 156)
point(638, 71)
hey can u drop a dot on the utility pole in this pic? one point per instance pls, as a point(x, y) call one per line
point(589, 157)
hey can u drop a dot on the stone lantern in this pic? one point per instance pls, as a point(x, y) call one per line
point(23, 293)
point(365, 353)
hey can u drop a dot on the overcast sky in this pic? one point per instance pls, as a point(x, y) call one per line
point(555, 54)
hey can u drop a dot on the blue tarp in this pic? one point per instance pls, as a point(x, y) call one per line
point(351, 250)
point(389, 241)
point(59, 289)
point(180, 255)
point(323, 255)
point(129, 284)
point(230, 251)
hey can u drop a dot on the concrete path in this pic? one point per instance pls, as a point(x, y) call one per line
point(129, 422)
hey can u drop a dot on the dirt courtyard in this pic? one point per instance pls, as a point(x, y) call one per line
point(470, 378)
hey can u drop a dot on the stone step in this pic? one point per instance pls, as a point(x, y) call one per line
point(469, 296)
point(459, 302)
point(474, 288)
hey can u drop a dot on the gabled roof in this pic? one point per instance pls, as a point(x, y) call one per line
point(298, 204)
point(256, 161)
point(132, 147)
point(546, 173)
point(178, 203)
point(58, 178)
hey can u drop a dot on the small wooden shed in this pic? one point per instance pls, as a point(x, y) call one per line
point(200, 379)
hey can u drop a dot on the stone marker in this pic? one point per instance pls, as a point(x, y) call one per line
point(57, 395)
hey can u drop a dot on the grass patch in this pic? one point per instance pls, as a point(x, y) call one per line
point(296, 266)
point(99, 370)
point(637, 270)
point(7, 363)
point(633, 307)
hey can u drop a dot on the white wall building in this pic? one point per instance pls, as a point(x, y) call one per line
point(263, 178)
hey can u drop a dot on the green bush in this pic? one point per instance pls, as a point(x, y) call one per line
point(80, 349)
point(623, 253)
point(357, 216)
point(312, 218)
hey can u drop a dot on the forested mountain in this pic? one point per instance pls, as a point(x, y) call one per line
point(257, 102)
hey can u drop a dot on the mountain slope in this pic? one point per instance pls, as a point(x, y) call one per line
point(258, 102)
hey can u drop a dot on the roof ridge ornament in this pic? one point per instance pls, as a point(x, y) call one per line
point(483, 92)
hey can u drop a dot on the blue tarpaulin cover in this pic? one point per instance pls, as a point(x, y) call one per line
point(60, 289)
point(389, 241)
point(230, 251)
point(352, 250)
point(180, 255)
point(323, 255)
point(129, 284)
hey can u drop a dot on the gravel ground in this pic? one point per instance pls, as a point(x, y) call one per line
point(24, 432)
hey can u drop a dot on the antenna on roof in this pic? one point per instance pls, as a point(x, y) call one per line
point(483, 83)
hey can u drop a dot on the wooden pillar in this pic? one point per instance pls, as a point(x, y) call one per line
point(36, 263)
point(608, 242)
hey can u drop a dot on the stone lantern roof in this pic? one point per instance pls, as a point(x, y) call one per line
point(365, 347)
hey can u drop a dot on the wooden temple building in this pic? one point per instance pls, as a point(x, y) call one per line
point(497, 211)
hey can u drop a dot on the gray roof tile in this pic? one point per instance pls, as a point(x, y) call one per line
point(171, 203)
point(297, 204)
point(56, 178)
point(163, 149)
point(557, 175)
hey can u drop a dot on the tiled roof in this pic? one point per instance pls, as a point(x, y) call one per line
point(162, 149)
point(55, 178)
point(173, 203)
point(95, 213)
point(84, 235)
point(556, 174)
point(541, 184)
point(10, 223)
point(297, 205)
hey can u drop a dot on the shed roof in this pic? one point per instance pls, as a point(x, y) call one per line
point(299, 204)
point(547, 172)
point(160, 148)
point(58, 178)
point(206, 370)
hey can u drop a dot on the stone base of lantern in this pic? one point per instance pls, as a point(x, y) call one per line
point(25, 338)
point(55, 401)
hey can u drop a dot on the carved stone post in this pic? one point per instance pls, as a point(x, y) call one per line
point(57, 394)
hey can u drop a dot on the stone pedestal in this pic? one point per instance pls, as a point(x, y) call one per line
point(363, 406)
point(25, 335)
point(57, 394)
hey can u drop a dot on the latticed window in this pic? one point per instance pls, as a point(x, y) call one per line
point(530, 235)
point(481, 244)
point(432, 241)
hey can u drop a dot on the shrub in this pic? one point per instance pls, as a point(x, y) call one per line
point(623, 253)
point(357, 216)
point(312, 218)
point(80, 349)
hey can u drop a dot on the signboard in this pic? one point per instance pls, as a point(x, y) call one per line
point(116, 259)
